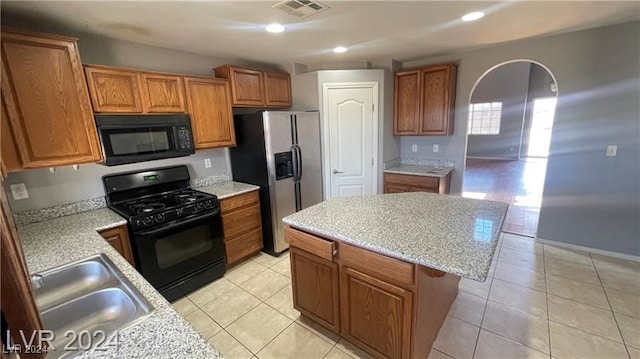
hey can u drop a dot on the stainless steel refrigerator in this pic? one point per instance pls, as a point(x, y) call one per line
point(280, 152)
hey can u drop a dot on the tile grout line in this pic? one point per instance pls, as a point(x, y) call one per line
point(486, 303)
point(588, 305)
point(333, 346)
point(500, 335)
point(274, 338)
point(615, 319)
point(293, 321)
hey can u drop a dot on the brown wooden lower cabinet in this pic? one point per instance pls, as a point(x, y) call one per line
point(385, 306)
point(118, 238)
point(242, 226)
point(376, 314)
point(316, 291)
point(398, 183)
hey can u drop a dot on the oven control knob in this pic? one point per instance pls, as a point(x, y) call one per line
point(199, 207)
point(208, 204)
point(179, 211)
point(159, 218)
point(147, 221)
point(138, 223)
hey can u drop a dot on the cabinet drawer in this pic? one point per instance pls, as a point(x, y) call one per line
point(240, 221)
point(378, 265)
point(238, 201)
point(243, 246)
point(412, 181)
point(309, 243)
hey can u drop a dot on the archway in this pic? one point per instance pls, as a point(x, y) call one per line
point(511, 112)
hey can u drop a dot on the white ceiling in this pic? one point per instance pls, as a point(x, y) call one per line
point(372, 30)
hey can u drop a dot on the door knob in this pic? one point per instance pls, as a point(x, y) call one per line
point(336, 171)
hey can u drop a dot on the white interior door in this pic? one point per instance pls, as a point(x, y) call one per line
point(351, 120)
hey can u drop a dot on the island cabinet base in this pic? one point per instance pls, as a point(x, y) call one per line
point(387, 307)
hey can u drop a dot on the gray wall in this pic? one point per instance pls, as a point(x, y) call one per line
point(307, 95)
point(507, 84)
point(589, 199)
point(67, 185)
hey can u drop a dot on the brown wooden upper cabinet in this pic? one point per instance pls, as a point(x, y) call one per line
point(10, 159)
point(277, 89)
point(256, 88)
point(162, 93)
point(46, 101)
point(425, 101)
point(115, 90)
point(209, 106)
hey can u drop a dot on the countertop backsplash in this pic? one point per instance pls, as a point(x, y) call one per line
point(436, 162)
point(60, 210)
point(66, 209)
point(419, 161)
point(209, 180)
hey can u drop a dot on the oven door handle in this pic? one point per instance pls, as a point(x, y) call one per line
point(177, 224)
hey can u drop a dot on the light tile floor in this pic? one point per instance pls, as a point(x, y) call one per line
point(538, 302)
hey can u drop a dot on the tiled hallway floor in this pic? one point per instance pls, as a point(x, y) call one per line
point(538, 302)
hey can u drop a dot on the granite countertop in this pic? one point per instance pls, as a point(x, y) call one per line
point(449, 233)
point(162, 334)
point(420, 170)
point(228, 189)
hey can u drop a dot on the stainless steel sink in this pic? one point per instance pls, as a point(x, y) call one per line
point(88, 295)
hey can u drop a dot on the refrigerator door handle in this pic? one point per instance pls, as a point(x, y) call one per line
point(296, 162)
point(299, 157)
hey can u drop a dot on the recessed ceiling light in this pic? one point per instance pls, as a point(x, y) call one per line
point(340, 49)
point(274, 28)
point(472, 16)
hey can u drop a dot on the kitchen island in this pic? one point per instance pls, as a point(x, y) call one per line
point(382, 271)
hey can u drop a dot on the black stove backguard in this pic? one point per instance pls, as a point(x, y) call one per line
point(178, 244)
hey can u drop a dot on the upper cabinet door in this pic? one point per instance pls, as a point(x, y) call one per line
point(209, 106)
point(278, 89)
point(406, 103)
point(113, 90)
point(438, 93)
point(162, 93)
point(46, 99)
point(247, 85)
point(10, 157)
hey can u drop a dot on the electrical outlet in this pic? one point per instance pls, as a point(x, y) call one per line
point(19, 191)
point(207, 163)
point(612, 150)
point(436, 148)
point(414, 148)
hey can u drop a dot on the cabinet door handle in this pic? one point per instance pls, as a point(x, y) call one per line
point(335, 171)
point(335, 251)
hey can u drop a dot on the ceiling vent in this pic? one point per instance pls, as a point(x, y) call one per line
point(301, 8)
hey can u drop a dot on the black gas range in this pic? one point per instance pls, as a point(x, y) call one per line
point(175, 231)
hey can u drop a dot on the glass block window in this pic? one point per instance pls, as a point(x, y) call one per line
point(484, 118)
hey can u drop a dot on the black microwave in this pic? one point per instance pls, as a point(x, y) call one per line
point(138, 138)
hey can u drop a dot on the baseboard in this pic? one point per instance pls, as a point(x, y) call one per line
point(589, 249)
point(494, 158)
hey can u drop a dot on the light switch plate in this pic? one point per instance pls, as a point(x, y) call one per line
point(19, 191)
point(207, 163)
point(612, 150)
point(414, 148)
point(436, 148)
